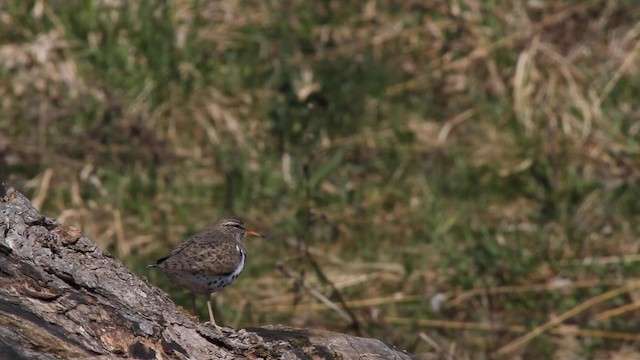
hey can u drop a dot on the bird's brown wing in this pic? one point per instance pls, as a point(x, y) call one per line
point(203, 255)
point(174, 261)
point(222, 259)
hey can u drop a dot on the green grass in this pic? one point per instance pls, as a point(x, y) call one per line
point(416, 149)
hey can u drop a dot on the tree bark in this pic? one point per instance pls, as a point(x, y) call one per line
point(62, 297)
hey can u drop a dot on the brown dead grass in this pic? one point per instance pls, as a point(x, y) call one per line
point(509, 88)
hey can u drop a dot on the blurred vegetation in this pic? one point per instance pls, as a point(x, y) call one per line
point(445, 176)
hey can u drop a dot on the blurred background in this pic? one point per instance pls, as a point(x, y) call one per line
point(443, 175)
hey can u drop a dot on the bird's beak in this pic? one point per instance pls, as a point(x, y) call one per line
point(253, 233)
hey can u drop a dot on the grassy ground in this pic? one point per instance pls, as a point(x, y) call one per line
point(456, 178)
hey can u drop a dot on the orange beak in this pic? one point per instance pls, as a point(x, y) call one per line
point(253, 233)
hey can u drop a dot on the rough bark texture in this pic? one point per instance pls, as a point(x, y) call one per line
point(61, 297)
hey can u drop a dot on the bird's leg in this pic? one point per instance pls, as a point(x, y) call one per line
point(213, 321)
point(193, 305)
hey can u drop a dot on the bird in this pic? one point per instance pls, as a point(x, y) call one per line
point(209, 260)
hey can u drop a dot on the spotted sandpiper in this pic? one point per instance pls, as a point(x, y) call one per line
point(209, 260)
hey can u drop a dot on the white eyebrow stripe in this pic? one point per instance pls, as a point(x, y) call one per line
point(234, 224)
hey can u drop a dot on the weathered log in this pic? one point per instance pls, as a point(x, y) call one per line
point(62, 297)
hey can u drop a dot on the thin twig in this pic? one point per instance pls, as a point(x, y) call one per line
point(551, 286)
point(628, 61)
point(354, 320)
point(561, 330)
point(355, 323)
point(43, 189)
point(617, 311)
point(387, 300)
point(566, 315)
point(313, 292)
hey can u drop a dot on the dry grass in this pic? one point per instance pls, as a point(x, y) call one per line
point(441, 175)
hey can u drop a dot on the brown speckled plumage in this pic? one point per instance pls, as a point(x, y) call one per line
point(213, 251)
point(209, 260)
